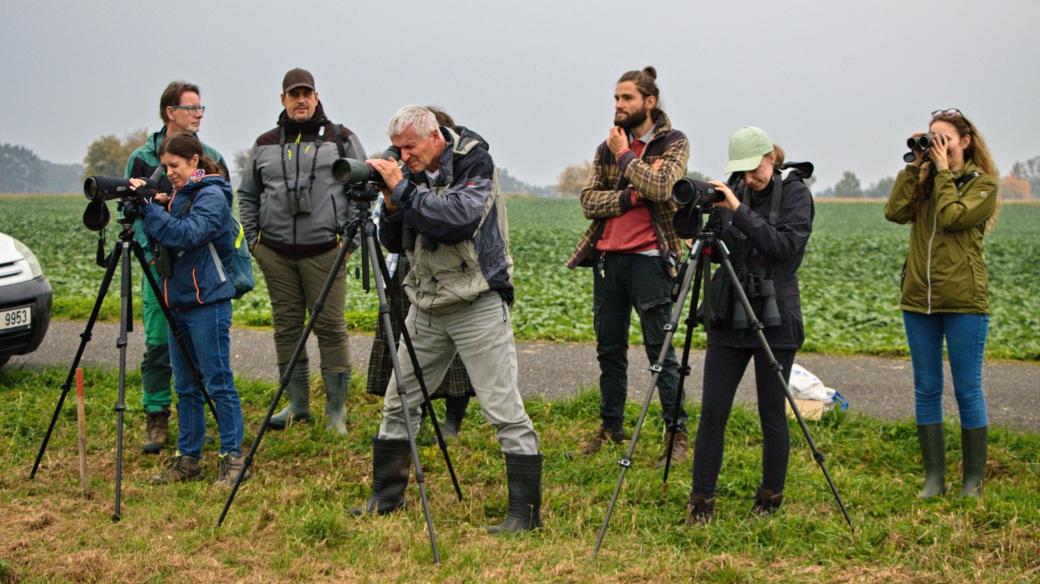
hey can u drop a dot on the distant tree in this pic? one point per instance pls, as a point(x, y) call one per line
point(827, 192)
point(880, 189)
point(510, 184)
point(696, 175)
point(107, 155)
point(241, 159)
point(1013, 187)
point(848, 186)
point(21, 171)
point(1030, 171)
point(573, 178)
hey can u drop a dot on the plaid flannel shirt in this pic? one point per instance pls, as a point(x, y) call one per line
point(605, 195)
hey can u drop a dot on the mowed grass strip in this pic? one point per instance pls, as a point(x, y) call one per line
point(849, 278)
point(291, 521)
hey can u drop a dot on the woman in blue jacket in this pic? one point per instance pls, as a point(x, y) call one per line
point(191, 225)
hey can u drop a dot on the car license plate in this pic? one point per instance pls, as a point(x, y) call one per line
point(15, 318)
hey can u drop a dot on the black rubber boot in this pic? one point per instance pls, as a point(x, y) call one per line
point(933, 451)
point(391, 462)
point(524, 476)
point(454, 412)
point(973, 443)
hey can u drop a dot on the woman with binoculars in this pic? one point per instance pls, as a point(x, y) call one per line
point(765, 227)
point(948, 195)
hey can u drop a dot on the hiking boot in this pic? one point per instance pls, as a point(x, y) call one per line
point(299, 408)
point(680, 448)
point(228, 467)
point(700, 510)
point(336, 385)
point(767, 502)
point(933, 453)
point(524, 477)
point(391, 462)
point(182, 468)
point(156, 431)
point(973, 444)
point(595, 443)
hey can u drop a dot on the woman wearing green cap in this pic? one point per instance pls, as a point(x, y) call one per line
point(948, 195)
point(766, 221)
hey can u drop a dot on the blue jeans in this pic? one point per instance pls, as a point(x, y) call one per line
point(965, 336)
point(206, 332)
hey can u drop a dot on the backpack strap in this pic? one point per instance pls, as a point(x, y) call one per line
point(339, 141)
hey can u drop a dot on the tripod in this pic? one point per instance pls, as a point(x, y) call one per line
point(371, 257)
point(120, 256)
point(696, 269)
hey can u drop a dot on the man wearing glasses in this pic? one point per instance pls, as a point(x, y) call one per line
point(293, 211)
point(181, 111)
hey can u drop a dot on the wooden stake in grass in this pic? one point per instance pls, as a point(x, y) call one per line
point(81, 422)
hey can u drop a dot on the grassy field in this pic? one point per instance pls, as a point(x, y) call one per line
point(290, 522)
point(849, 276)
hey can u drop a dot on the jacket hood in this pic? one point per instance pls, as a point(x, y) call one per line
point(467, 134)
point(215, 180)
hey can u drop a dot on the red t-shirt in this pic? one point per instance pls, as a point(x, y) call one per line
point(632, 231)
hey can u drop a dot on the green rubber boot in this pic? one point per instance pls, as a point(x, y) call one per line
point(336, 385)
point(933, 451)
point(973, 443)
point(299, 408)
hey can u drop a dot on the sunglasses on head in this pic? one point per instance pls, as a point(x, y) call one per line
point(947, 113)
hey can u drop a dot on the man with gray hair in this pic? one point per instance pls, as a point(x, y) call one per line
point(444, 210)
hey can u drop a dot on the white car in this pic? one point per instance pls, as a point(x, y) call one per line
point(25, 299)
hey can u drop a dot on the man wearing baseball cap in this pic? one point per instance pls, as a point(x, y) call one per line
point(293, 212)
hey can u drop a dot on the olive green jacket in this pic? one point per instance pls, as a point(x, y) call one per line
point(945, 269)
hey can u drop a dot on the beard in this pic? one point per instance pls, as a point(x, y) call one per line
point(631, 121)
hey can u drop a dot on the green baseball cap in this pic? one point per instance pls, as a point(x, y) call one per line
point(747, 146)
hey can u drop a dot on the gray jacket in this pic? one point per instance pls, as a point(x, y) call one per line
point(288, 198)
point(454, 230)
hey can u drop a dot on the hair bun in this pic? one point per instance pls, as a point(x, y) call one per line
point(651, 71)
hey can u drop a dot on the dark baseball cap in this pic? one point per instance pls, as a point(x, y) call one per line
point(297, 78)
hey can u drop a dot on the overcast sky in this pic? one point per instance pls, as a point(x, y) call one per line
point(840, 83)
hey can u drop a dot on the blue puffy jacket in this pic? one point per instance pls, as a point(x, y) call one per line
point(196, 229)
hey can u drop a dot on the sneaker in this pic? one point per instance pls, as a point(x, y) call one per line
point(156, 431)
point(183, 468)
point(228, 467)
point(680, 449)
point(595, 443)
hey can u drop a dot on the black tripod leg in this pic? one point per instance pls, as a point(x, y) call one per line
point(427, 405)
point(684, 368)
point(106, 281)
point(775, 366)
point(178, 335)
point(126, 318)
point(388, 333)
point(626, 462)
point(319, 303)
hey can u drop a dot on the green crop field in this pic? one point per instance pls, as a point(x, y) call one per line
point(849, 276)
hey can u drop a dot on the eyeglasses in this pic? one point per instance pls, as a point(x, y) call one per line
point(194, 109)
point(947, 113)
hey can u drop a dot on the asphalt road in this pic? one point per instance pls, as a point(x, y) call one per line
point(877, 386)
